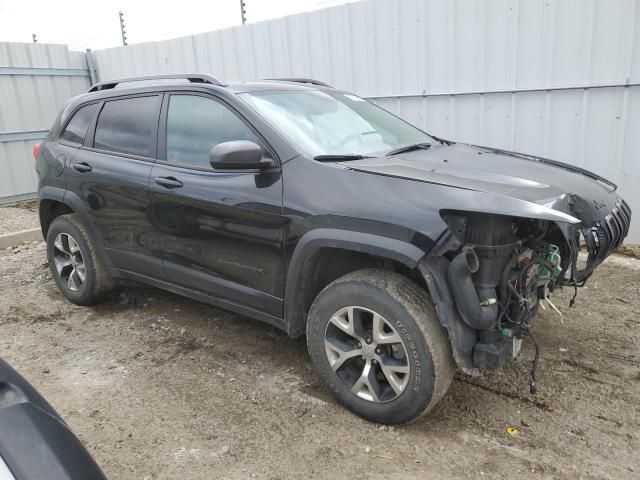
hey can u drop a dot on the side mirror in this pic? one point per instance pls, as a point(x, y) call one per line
point(238, 155)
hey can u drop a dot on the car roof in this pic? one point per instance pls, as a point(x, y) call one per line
point(189, 81)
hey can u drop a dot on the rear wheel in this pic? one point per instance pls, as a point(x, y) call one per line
point(375, 339)
point(75, 266)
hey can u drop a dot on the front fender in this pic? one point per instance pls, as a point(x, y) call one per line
point(296, 288)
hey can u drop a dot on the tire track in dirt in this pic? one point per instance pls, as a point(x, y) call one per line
point(162, 387)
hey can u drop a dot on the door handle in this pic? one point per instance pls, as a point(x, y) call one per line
point(168, 182)
point(82, 167)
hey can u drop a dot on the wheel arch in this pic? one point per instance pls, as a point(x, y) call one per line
point(54, 202)
point(51, 205)
point(309, 272)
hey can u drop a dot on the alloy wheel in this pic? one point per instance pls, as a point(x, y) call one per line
point(367, 354)
point(69, 262)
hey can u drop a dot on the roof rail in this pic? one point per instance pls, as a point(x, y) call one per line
point(310, 81)
point(191, 77)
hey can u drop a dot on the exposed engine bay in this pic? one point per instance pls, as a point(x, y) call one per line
point(501, 270)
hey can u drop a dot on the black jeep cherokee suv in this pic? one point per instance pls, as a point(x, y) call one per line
point(400, 255)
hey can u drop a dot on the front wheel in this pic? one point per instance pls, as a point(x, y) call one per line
point(375, 339)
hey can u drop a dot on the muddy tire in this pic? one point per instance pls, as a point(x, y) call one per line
point(375, 339)
point(74, 263)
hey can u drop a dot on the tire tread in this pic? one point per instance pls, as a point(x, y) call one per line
point(416, 301)
point(101, 283)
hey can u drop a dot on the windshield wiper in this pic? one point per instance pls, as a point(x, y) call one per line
point(442, 140)
point(408, 148)
point(340, 158)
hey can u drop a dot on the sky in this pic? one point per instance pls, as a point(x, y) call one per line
point(94, 24)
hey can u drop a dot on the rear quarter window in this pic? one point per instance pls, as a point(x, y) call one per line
point(77, 127)
point(128, 126)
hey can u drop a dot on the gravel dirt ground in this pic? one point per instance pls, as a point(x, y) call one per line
point(20, 217)
point(162, 387)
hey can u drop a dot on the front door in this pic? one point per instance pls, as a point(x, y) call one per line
point(220, 233)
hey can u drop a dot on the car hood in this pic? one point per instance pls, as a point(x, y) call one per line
point(556, 185)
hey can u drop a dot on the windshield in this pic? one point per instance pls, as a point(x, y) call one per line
point(333, 123)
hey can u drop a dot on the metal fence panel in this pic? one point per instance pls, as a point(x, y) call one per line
point(35, 82)
point(559, 78)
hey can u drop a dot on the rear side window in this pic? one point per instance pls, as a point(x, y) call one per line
point(195, 124)
point(128, 126)
point(79, 124)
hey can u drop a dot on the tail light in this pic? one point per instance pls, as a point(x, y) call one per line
point(36, 150)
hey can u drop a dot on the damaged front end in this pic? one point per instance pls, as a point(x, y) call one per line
point(600, 237)
point(489, 274)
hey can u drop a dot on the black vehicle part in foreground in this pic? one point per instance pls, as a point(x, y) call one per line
point(35, 443)
point(399, 254)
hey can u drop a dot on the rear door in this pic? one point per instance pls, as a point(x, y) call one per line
point(111, 175)
point(59, 153)
point(220, 233)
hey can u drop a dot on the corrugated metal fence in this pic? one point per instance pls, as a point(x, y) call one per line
point(35, 82)
point(559, 78)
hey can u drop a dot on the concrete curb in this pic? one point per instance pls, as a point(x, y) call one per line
point(16, 238)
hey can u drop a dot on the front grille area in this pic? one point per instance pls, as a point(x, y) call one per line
point(617, 224)
point(601, 240)
point(610, 233)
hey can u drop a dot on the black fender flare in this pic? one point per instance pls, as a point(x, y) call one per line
point(75, 203)
point(314, 240)
point(49, 193)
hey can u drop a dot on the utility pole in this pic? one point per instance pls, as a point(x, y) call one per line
point(124, 34)
point(243, 11)
point(34, 38)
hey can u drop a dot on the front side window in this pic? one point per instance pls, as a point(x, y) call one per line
point(333, 123)
point(77, 127)
point(128, 126)
point(196, 124)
